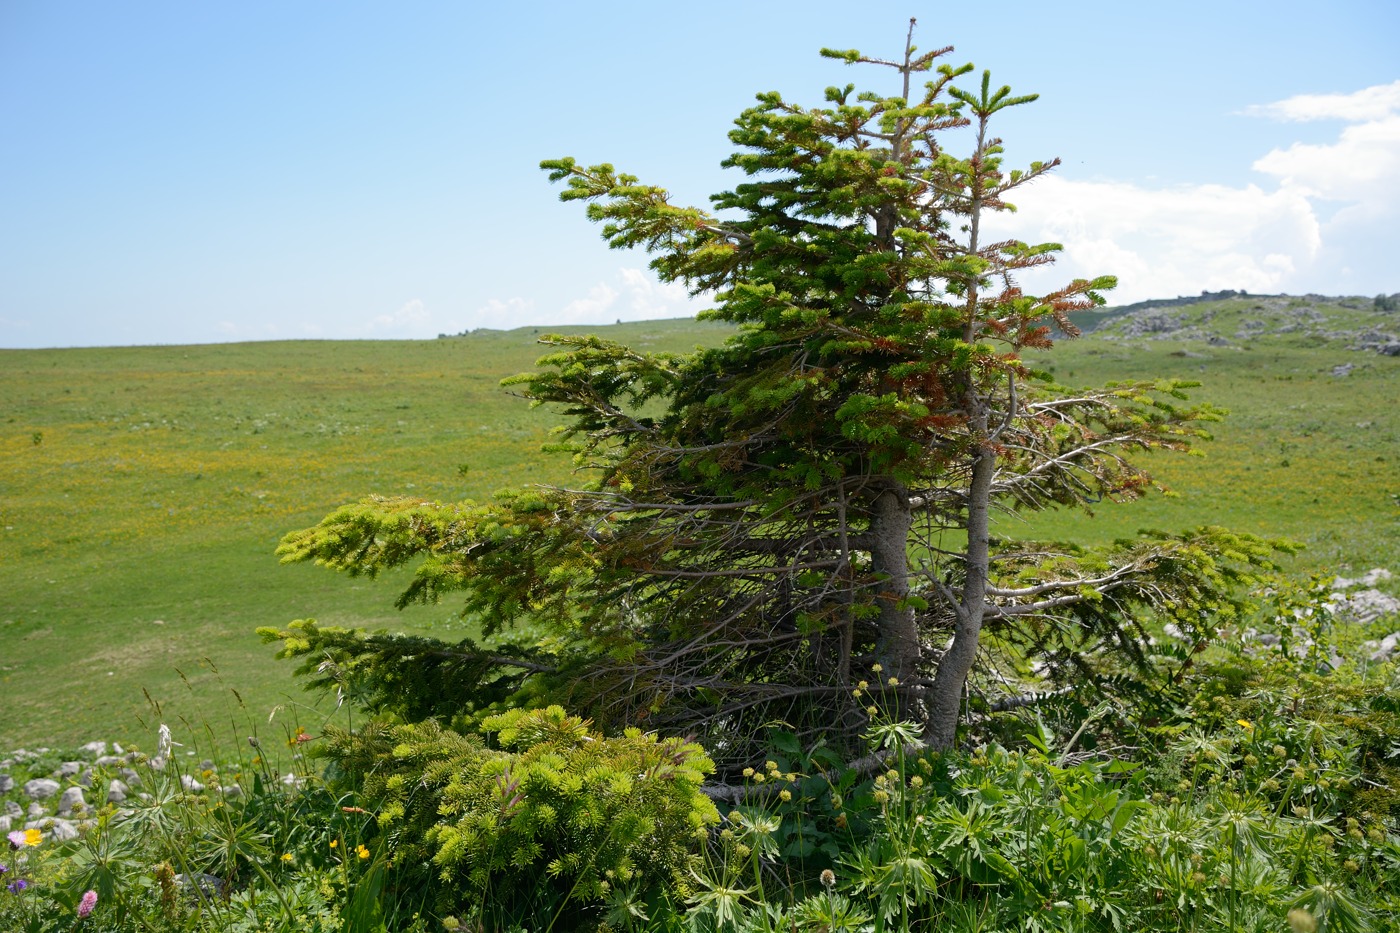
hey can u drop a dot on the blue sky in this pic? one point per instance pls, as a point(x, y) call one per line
point(200, 172)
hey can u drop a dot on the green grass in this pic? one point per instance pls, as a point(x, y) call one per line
point(143, 490)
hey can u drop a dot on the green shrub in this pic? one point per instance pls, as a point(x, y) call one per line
point(546, 828)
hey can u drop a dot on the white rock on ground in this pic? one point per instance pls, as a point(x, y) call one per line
point(1385, 648)
point(1363, 607)
point(7, 783)
point(116, 791)
point(70, 768)
point(41, 788)
point(71, 801)
point(95, 749)
point(1369, 578)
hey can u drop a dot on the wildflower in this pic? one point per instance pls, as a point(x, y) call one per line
point(164, 742)
point(916, 781)
point(4, 868)
point(334, 843)
point(86, 905)
point(840, 821)
point(785, 795)
point(748, 772)
point(1246, 723)
point(18, 885)
point(450, 923)
point(758, 777)
point(16, 839)
point(1280, 751)
point(770, 766)
point(893, 681)
point(876, 668)
point(361, 851)
point(287, 856)
point(871, 711)
point(881, 796)
point(862, 685)
point(1301, 921)
point(828, 878)
point(32, 837)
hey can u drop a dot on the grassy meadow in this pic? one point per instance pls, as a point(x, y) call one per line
point(143, 490)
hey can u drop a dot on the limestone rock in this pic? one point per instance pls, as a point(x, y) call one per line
point(95, 749)
point(1363, 607)
point(69, 769)
point(41, 788)
point(1384, 649)
point(1369, 578)
point(116, 791)
point(7, 783)
point(71, 802)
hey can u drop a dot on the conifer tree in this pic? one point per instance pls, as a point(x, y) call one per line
point(760, 526)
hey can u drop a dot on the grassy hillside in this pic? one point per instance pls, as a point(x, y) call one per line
point(142, 490)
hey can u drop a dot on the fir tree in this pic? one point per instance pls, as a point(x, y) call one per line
point(762, 525)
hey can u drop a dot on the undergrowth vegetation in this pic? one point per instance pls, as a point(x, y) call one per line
point(1260, 789)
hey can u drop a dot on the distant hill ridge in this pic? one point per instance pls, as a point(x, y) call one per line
point(1102, 318)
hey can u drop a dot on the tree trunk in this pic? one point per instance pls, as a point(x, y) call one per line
point(898, 646)
point(945, 697)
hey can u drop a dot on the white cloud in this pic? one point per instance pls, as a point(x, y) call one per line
point(1166, 241)
point(408, 321)
point(1163, 242)
point(1363, 164)
point(587, 310)
point(1372, 103)
point(633, 295)
point(504, 314)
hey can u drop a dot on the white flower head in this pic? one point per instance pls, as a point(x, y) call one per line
point(164, 742)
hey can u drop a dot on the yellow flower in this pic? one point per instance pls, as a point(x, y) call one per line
point(894, 681)
point(1246, 723)
point(876, 668)
point(770, 766)
point(361, 851)
point(32, 837)
point(287, 856)
point(334, 843)
point(758, 777)
point(785, 795)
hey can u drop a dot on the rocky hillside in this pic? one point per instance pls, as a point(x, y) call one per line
point(1223, 319)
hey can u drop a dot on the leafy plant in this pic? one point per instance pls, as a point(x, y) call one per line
point(549, 825)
